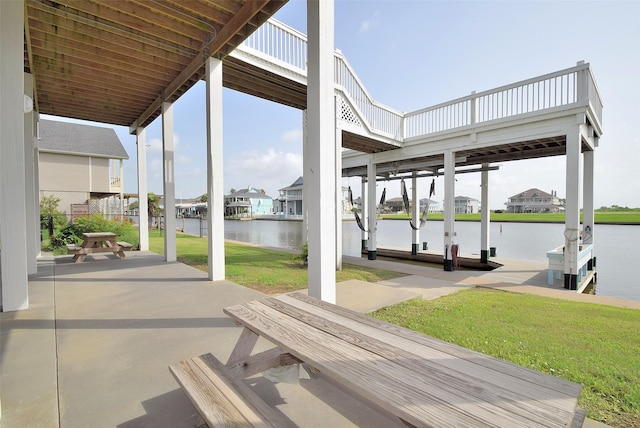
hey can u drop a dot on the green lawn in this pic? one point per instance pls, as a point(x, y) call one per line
point(620, 217)
point(268, 271)
point(597, 346)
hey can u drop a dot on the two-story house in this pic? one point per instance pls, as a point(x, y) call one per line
point(289, 202)
point(82, 165)
point(466, 205)
point(534, 201)
point(247, 203)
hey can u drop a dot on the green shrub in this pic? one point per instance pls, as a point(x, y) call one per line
point(72, 233)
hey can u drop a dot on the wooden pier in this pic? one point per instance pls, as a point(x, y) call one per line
point(464, 262)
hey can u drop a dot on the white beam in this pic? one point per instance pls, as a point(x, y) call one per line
point(339, 196)
point(305, 185)
point(319, 172)
point(588, 209)
point(169, 184)
point(415, 214)
point(364, 212)
point(572, 209)
point(31, 195)
point(13, 224)
point(372, 215)
point(485, 215)
point(215, 185)
point(143, 203)
point(449, 207)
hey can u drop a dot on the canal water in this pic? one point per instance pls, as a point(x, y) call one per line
point(616, 264)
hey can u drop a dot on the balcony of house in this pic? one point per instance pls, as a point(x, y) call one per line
point(532, 206)
point(115, 185)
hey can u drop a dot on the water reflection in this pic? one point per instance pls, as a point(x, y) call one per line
point(528, 241)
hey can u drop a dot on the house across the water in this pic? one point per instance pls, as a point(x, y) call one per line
point(247, 203)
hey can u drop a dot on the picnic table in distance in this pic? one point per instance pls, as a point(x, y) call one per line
point(98, 242)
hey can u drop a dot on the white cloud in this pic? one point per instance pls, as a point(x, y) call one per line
point(368, 24)
point(184, 159)
point(292, 136)
point(270, 170)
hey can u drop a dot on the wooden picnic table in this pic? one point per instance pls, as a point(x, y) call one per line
point(97, 242)
point(421, 380)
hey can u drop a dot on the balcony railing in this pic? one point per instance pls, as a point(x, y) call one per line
point(115, 184)
point(563, 89)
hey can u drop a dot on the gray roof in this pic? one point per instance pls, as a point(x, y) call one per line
point(73, 138)
point(295, 185)
point(531, 193)
point(249, 192)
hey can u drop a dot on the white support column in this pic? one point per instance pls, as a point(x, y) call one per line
point(319, 170)
point(121, 175)
point(13, 224)
point(485, 221)
point(31, 196)
point(372, 205)
point(572, 210)
point(143, 203)
point(339, 198)
point(588, 208)
point(415, 214)
point(36, 179)
point(305, 185)
point(364, 213)
point(169, 184)
point(449, 207)
point(215, 185)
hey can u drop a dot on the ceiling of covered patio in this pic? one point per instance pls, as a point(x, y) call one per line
point(116, 61)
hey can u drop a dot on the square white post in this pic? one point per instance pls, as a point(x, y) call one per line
point(572, 210)
point(415, 214)
point(169, 184)
point(364, 212)
point(372, 210)
point(13, 224)
point(215, 185)
point(449, 207)
point(143, 203)
point(339, 199)
point(588, 208)
point(320, 163)
point(31, 195)
point(305, 185)
point(485, 214)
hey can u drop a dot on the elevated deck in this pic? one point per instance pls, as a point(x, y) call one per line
point(523, 120)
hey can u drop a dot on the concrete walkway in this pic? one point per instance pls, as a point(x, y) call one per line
point(94, 347)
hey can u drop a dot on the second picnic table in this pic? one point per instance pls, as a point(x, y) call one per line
point(97, 242)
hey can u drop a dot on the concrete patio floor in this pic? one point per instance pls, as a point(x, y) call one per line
point(94, 348)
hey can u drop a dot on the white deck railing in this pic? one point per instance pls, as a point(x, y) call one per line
point(562, 89)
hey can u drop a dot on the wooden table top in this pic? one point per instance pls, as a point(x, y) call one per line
point(99, 235)
point(420, 379)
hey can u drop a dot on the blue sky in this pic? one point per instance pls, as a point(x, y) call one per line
point(413, 54)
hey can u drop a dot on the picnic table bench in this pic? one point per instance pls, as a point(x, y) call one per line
point(421, 380)
point(98, 242)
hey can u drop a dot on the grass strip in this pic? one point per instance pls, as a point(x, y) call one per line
point(597, 346)
point(268, 271)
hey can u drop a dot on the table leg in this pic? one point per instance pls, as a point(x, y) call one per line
point(244, 345)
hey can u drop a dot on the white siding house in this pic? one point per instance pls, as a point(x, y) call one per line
point(466, 205)
point(81, 164)
point(534, 201)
